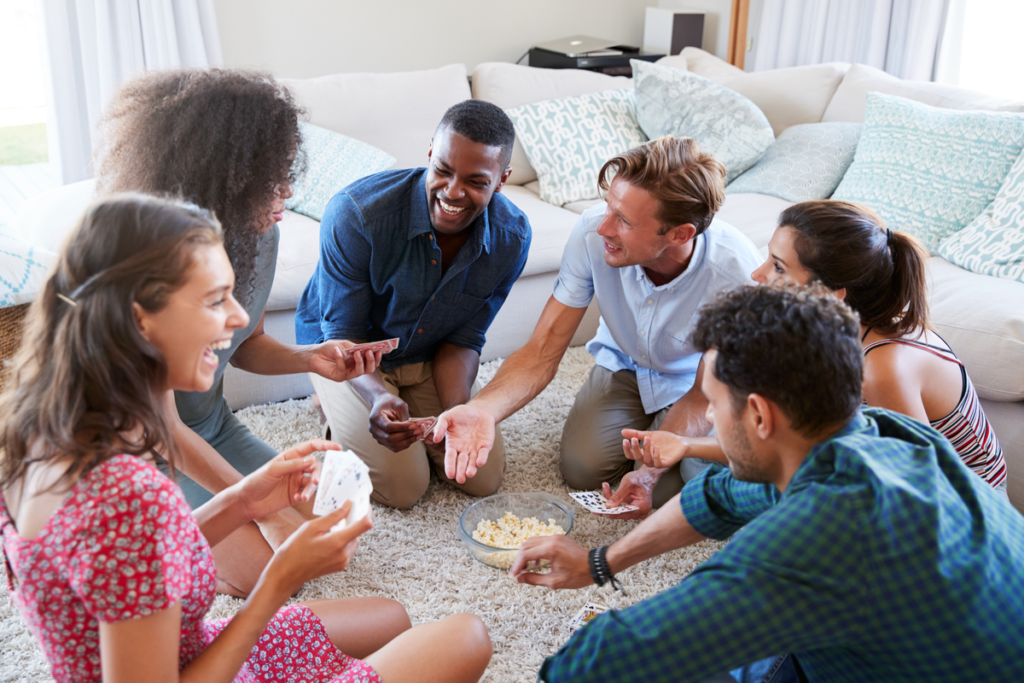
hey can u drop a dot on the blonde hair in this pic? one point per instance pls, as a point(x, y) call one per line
point(689, 184)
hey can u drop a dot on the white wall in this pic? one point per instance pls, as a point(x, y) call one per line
point(716, 21)
point(306, 38)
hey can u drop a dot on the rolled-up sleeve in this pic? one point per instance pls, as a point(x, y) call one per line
point(718, 505)
point(473, 333)
point(574, 286)
point(343, 276)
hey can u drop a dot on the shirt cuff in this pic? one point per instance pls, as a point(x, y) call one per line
point(697, 508)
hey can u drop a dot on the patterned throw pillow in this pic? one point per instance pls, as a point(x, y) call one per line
point(333, 161)
point(725, 123)
point(806, 162)
point(568, 140)
point(993, 244)
point(930, 171)
point(23, 270)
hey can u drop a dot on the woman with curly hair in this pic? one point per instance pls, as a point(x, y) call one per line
point(227, 141)
point(908, 368)
point(105, 561)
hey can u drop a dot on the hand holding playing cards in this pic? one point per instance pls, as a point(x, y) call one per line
point(332, 361)
point(654, 449)
point(389, 423)
point(636, 488)
point(315, 550)
point(285, 480)
point(570, 567)
point(470, 434)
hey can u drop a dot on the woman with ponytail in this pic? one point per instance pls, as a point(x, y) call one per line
point(908, 368)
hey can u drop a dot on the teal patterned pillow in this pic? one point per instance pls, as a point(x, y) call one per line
point(993, 244)
point(23, 270)
point(725, 123)
point(930, 171)
point(568, 140)
point(806, 162)
point(333, 161)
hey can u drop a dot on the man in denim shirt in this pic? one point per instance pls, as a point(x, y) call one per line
point(427, 256)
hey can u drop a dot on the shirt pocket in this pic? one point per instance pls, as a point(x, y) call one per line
point(671, 348)
point(464, 307)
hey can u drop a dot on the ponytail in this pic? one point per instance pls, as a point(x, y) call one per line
point(847, 246)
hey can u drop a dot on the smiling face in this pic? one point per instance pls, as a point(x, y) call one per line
point(462, 176)
point(730, 425)
point(199, 319)
point(783, 263)
point(274, 212)
point(631, 227)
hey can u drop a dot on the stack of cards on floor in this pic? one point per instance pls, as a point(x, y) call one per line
point(589, 611)
point(426, 422)
point(384, 346)
point(343, 477)
point(595, 502)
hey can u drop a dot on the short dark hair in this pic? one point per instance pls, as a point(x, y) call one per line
point(796, 346)
point(688, 183)
point(846, 245)
point(484, 123)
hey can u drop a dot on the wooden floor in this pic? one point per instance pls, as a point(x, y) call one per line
point(19, 183)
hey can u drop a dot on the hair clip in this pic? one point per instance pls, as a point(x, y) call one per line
point(66, 299)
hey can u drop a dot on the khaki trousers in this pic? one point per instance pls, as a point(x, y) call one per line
point(591, 450)
point(400, 479)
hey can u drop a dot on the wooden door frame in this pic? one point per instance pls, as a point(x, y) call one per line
point(738, 32)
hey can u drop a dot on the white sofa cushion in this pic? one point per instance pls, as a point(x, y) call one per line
point(395, 112)
point(982, 319)
point(849, 101)
point(297, 256)
point(46, 219)
point(726, 124)
point(787, 97)
point(551, 226)
point(510, 86)
point(755, 215)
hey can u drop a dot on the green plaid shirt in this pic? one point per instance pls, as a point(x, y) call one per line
point(886, 559)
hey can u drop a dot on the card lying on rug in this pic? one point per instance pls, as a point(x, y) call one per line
point(343, 477)
point(596, 503)
point(384, 346)
point(586, 614)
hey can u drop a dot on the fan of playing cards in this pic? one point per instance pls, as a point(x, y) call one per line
point(384, 346)
point(596, 503)
point(343, 477)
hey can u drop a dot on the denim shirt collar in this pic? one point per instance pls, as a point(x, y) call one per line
point(419, 214)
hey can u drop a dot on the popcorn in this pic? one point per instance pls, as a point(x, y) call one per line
point(512, 532)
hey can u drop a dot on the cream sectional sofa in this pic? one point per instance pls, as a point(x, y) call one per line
point(980, 316)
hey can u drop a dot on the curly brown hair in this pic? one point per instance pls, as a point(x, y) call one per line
point(223, 139)
point(85, 377)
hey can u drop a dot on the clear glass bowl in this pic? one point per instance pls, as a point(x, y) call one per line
point(543, 506)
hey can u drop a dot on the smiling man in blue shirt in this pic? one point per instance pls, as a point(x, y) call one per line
point(428, 256)
point(868, 551)
point(651, 255)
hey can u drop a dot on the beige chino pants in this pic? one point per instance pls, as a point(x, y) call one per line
point(400, 479)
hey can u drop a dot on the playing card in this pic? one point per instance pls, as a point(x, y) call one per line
point(426, 422)
point(595, 502)
point(586, 614)
point(343, 477)
point(385, 346)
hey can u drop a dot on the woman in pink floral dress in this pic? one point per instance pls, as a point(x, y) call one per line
point(106, 562)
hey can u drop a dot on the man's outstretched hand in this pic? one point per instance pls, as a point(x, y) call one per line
point(470, 437)
point(636, 488)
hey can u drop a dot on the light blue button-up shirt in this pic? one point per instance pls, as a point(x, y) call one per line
point(646, 329)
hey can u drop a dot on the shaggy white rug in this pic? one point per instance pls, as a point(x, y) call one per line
point(414, 557)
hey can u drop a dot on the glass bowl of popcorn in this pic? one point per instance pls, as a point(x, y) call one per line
point(494, 528)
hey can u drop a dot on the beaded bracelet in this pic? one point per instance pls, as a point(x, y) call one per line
point(600, 571)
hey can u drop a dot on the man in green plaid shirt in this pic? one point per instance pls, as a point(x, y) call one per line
point(869, 552)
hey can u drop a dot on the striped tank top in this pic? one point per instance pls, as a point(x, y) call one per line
point(966, 427)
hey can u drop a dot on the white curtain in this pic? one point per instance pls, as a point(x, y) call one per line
point(902, 37)
point(95, 45)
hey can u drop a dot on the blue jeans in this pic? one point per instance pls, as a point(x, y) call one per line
point(779, 669)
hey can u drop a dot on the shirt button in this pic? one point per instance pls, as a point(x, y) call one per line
point(419, 331)
point(643, 333)
point(431, 298)
point(431, 237)
point(650, 301)
point(433, 262)
point(644, 356)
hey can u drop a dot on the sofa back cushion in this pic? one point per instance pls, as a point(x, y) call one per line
point(930, 171)
point(787, 97)
point(395, 112)
point(510, 86)
point(849, 101)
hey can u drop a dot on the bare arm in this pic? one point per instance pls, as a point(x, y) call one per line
point(526, 372)
point(455, 369)
point(689, 415)
point(198, 459)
